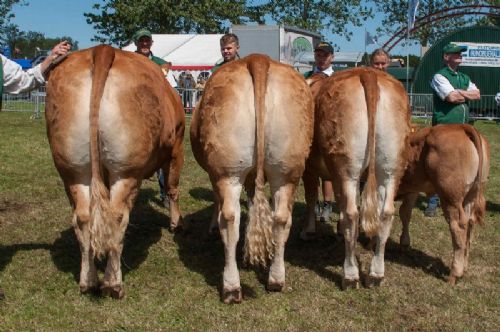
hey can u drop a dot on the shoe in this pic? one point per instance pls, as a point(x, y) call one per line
point(430, 211)
point(327, 211)
point(432, 206)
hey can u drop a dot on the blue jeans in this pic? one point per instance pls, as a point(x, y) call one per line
point(161, 182)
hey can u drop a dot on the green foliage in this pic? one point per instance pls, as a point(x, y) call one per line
point(319, 16)
point(33, 44)
point(395, 18)
point(5, 16)
point(117, 20)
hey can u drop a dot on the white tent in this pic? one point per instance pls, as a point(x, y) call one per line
point(194, 53)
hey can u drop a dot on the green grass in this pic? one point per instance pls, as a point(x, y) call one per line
point(172, 280)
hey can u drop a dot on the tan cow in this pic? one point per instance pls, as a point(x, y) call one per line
point(362, 121)
point(452, 161)
point(255, 121)
point(112, 120)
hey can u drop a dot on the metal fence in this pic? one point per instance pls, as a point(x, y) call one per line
point(421, 104)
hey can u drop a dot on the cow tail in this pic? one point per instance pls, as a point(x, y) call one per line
point(259, 244)
point(369, 198)
point(479, 205)
point(101, 215)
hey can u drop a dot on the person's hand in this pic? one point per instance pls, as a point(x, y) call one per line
point(60, 49)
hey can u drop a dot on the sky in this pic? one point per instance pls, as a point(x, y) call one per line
point(56, 18)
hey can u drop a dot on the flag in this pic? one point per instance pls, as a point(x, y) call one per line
point(369, 39)
point(412, 12)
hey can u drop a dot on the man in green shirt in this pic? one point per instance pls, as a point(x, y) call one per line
point(452, 90)
point(143, 40)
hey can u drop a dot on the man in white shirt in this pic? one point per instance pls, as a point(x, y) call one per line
point(15, 80)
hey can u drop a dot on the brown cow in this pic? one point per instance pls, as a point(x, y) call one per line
point(452, 161)
point(112, 120)
point(362, 121)
point(255, 121)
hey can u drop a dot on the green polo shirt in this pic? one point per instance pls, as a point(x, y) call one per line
point(446, 112)
point(157, 60)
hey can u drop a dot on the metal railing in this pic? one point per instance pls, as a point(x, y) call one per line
point(421, 104)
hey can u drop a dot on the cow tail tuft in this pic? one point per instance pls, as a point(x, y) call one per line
point(103, 220)
point(369, 198)
point(259, 243)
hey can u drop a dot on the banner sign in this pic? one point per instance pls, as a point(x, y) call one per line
point(480, 54)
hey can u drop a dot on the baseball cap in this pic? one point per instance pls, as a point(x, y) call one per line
point(324, 46)
point(454, 48)
point(142, 33)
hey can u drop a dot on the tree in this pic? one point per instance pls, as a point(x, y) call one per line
point(32, 44)
point(395, 18)
point(314, 15)
point(117, 20)
point(5, 16)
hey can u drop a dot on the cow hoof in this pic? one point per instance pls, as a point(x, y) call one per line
point(115, 292)
point(89, 289)
point(307, 236)
point(275, 286)
point(350, 284)
point(452, 280)
point(372, 281)
point(233, 296)
point(404, 247)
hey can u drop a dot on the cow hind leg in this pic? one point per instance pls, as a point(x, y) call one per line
point(405, 214)
point(172, 174)
point(123, 193)
point(79, 195)
point(283, 202)
point(350, 217)
point(386, 206)
point(228, 191)
point(459, 228)
point(311, 183)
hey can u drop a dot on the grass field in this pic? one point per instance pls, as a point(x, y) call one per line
point(172, 280)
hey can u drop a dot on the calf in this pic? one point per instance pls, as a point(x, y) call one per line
point(452, 161)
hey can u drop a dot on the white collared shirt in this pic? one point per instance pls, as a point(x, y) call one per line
point(443, 87)
point(16, 80)
point(328, 71)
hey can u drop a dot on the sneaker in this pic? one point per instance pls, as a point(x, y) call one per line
point(430, 211)
point(166, 202)
point(327, 211)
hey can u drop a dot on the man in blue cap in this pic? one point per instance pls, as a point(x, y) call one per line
point(452, 90)
point(323, 58)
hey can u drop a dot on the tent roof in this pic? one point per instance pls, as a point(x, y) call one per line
point(186, 50)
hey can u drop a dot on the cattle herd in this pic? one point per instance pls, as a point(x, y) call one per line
point(113, 120)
